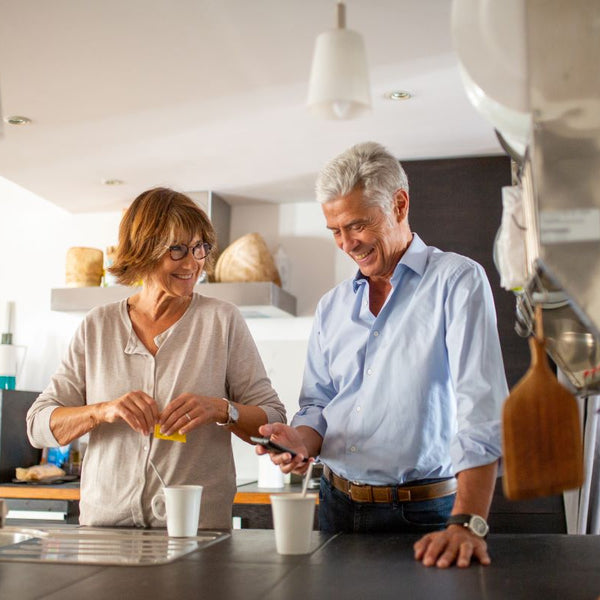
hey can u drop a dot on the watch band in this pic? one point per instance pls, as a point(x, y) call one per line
point(232, 414)
point(474, 523)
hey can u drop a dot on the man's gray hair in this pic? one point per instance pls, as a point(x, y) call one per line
point(368, 166)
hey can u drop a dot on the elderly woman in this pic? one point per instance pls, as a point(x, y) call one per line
point(165, 363)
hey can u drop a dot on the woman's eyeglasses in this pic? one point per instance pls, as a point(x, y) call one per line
point(199, 251)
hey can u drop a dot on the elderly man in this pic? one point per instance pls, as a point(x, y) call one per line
point(404, 376)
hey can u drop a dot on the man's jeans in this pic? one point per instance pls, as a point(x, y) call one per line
point(337, 513)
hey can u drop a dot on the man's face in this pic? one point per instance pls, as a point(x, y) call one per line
point(374, 240)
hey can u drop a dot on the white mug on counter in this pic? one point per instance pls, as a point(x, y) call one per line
point(181, 505)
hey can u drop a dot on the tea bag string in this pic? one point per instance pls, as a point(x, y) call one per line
point(157, 473)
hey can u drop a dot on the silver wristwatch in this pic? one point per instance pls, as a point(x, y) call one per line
point(474, 523)
point(232, 414)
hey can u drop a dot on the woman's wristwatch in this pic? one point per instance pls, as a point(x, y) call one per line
point(474, 523)
point(232, 414)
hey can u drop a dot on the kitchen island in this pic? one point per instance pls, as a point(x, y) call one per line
point(246, 566)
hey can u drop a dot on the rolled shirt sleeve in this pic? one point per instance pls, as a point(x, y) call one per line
point(317, 387)
point(476, 368)
point(247, 380)
point(66, 388)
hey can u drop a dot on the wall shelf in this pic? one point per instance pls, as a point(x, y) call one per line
point(256, 299)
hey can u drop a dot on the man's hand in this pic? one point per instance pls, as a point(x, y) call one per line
point(453, 545)
point(290, 438)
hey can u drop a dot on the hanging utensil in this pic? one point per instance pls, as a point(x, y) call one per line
point(542, 447)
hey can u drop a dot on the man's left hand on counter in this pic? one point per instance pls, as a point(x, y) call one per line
point(453, 545)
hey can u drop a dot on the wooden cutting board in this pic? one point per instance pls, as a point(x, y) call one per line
point(542, 446)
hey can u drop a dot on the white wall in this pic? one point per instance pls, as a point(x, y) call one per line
point(33, 245)
point(35, 236)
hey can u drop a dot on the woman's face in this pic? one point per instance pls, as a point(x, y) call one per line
point(178, 277)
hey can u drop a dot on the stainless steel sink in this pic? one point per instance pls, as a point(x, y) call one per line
point(106, 546)
point(10, 536)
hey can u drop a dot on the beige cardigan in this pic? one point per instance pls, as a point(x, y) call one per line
point(209, 351)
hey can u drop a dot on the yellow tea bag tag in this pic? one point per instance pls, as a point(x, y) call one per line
point(175, 437)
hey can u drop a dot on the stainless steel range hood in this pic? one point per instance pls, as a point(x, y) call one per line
point(257, 299)
point(561, 184)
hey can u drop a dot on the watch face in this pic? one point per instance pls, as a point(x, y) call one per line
point(478, 526)
point(234, 414)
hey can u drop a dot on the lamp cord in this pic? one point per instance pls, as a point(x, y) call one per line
point(341, 15)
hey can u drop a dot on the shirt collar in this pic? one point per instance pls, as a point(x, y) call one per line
point(415, 259)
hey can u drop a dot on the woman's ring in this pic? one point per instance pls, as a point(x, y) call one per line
point(188, 417)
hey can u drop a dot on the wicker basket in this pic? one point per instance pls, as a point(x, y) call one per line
point(247, 259)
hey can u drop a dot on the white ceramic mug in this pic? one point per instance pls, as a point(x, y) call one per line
point(293, 518)
point(181, 505)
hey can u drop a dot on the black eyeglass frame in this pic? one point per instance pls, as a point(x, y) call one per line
point(201, 247)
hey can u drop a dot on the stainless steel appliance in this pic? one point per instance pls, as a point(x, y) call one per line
point(561, 185)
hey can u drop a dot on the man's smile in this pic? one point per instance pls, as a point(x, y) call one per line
point(362, 255)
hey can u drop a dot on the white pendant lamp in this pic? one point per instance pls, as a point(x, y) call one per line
point(339, 79)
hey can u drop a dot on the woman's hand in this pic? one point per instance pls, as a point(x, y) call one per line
point(188, 411)
point(137, 409)
point(290, 438)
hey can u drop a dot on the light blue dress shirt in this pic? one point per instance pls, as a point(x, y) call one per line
point(415, 392)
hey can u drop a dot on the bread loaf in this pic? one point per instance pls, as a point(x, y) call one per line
point(84, 267)
point(38, 472)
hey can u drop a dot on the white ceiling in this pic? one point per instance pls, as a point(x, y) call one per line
point(210, 94)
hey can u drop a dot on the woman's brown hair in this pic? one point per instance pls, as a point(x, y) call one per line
point(150, 225)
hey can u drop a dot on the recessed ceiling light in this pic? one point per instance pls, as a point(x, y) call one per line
point(17, 120)
point(113, 182)
point(398, 95)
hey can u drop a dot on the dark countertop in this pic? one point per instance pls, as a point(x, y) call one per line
point(246, 566)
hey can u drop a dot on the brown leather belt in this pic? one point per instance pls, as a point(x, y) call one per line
point(401, 493)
